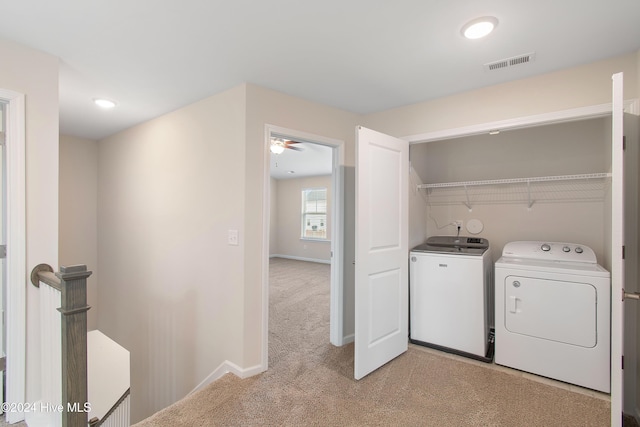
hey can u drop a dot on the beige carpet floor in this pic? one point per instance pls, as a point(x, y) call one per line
point(310, 382)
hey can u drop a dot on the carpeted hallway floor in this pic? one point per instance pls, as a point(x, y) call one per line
point(310, 382)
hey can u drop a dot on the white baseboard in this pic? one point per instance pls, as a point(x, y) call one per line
point(297, 258)
point(348, 339)
point(344, 340)
point(227, 367)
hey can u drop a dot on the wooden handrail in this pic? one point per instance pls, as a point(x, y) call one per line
point(44, 273)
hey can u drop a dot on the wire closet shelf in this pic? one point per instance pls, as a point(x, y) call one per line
point(561, 188)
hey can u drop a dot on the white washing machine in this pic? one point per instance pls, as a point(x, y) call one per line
point(451, 295)
point(552, 313)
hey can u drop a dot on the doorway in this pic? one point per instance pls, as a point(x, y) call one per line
point(315, 164)
point(14, 216)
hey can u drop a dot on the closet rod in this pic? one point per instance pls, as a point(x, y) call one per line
point(518, 180)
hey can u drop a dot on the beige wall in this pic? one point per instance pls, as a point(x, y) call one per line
point(581, 86)
point(171, 288)
point(35, 75)
point(78, 213)
point(289, 243)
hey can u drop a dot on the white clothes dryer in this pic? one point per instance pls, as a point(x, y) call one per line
point(552, 312)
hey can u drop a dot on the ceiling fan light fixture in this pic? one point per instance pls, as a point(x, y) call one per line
point(104, 103)
point(277, 147)
point(479, 27)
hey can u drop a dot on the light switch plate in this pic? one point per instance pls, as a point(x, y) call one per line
point(233, 237)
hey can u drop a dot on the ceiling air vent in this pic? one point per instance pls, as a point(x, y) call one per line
point(510, 62)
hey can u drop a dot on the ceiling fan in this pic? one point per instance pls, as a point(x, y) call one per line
point(278, 145)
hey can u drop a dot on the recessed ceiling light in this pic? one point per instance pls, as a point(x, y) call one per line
point(104, 103)
point(480, 27)
point(291, 172)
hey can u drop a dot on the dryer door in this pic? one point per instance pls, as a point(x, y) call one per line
point(552, 310)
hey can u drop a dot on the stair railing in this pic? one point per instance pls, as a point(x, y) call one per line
point(68, 290)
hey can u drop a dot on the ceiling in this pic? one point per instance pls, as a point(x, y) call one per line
point(363, 56)
point(310, 160)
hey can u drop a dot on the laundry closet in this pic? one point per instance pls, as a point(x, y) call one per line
point(534, 186)
point(543, 183)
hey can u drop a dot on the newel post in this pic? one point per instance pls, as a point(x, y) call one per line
point(74, 344)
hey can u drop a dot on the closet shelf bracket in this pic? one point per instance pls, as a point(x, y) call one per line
point(530, 202)
point(468, 204)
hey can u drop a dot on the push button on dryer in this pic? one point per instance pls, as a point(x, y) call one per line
point(545, 247)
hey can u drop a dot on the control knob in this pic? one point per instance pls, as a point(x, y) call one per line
point(579, 250)
point(545, 247)
point(566, 249)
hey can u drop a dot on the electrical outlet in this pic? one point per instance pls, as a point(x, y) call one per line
point(458, 223)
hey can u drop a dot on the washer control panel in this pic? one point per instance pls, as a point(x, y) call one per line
point(550, 251)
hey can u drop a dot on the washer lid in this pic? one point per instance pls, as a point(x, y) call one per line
point(458, 241)
point(454, 245)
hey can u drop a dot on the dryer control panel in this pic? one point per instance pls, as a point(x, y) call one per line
point(550, 251)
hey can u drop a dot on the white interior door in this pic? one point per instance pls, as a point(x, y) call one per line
point(382, 250)
point(617, 242)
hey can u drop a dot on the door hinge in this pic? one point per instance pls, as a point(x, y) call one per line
point(2, 138)
point(624, 142)
point(624, 251)
point(622, 361)
point(3, 251)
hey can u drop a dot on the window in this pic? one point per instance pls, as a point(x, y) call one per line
point(314, 213)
